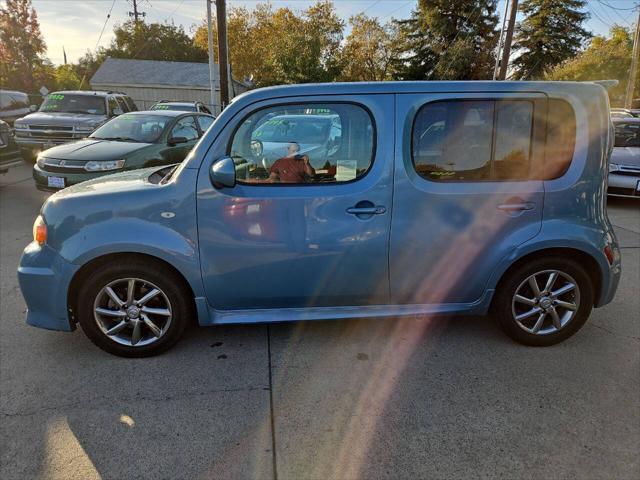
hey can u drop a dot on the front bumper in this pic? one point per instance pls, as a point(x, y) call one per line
point(39, 144)
point(625, 185)
point(44, 278)
point(41, 177)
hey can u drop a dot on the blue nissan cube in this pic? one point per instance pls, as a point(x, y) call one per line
point(338, 201)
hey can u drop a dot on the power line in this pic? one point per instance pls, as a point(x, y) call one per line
point(84, 76)
point(396, 10)
point(370, 7)
point(615, 8)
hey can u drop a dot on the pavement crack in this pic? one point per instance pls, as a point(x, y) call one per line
point(611, 332)
point(273, 422)
point(625, 228)
point(133, 398)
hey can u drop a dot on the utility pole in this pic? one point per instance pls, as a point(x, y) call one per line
point(212, 82)
point(223, 62)
point(506, 49)
point(135, 12)
point(504, 22)
point(634, 64)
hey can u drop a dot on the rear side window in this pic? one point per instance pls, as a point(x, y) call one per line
point(561, 138)
point(123, 105)
point(473, 140)
point(130, 104)
point(113, 104)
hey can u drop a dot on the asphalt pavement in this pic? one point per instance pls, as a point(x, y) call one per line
point(416, 398)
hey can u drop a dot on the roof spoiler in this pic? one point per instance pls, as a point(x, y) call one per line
point(607, 84)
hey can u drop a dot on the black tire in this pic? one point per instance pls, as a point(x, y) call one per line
point(171, 285)
point(503, 304)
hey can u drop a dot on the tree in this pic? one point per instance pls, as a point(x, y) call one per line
point(281, 46)
point(368, 51)
point(448, 39)
point(244, 53)
point(87, 65)
point(550, 33)
point(604, 58)
point(66, 78)
point(23, 65)
point(154, 41)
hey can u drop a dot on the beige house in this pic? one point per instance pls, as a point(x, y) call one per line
point(149, 81)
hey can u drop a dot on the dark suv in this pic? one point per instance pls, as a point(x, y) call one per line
point(13, 105)
point(67, 116)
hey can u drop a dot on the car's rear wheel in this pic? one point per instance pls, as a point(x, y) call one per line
point(544, 301)
point(134, 310)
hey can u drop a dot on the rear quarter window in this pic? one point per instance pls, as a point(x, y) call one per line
point(561, 138)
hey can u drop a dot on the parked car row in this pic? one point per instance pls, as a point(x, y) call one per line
point(53, 135)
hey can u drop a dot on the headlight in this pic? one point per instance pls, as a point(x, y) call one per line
point(104, 166)
point(40, 161)
point(613, 167)
point(39, 231)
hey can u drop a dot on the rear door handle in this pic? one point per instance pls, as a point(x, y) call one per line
point(376, 210)
point(516, 207)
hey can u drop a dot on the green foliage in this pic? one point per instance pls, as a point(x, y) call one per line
point(369, 50)
point(281, 46)
point(66, 78)
point(153, 41)
point(23, 65)
point(448, 39)
point(604, 59)
point(550, 33)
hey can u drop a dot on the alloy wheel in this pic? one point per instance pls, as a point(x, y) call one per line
point(545, 302)
point(132, 312)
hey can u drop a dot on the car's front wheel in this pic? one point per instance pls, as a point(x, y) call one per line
point(544, 301)
point(134, 310)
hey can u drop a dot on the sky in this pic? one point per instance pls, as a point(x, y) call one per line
point(76, 24)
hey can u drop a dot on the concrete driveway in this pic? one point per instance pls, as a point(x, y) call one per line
point(353, 399)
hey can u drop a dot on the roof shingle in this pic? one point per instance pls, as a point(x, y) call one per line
point(152, 72)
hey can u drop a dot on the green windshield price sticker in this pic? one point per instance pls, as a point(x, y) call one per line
point(56, 96)
point(127, 117)
point(162, 107)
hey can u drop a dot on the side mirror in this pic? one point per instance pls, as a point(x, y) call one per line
point(117, 111)
point(33, 108)
point(176, 140)
point(223, 173)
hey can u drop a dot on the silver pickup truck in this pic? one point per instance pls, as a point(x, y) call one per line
point(67, 116)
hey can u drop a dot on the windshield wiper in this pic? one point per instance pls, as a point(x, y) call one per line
point(119, 139)
point(82, 111)
point(169, 174)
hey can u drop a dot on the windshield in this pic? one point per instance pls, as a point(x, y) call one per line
point(178, 108)
point(627, 134)
point(132, 127)
point(314, 129)
point(62, 102)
